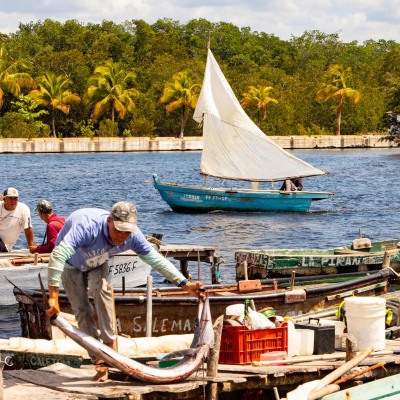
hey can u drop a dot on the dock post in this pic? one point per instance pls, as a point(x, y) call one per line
point(292, 280)
point(246, 275)
point(184, 268)
point(149, 306)
point(213, 274)
point(198, 266)
point(212, 364)
point(1, 380)
point(386, 259)
point(114, 315)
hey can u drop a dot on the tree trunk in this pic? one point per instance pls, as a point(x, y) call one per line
point(339, 117)
point(185, 117)
point(53, 122)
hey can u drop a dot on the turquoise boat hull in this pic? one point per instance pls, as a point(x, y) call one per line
point(191, 199)
point(384, 388)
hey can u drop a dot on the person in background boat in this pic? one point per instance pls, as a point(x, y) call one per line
point(14, 217)
point(80, 261)
point(294, 184)
point(54, 224)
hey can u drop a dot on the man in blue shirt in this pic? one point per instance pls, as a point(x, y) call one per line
point(79, 260)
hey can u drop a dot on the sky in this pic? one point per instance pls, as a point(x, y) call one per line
point(358, 20)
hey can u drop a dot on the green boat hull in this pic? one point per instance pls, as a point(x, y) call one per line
point(264, 264)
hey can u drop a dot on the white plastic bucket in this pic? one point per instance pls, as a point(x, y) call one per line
point(365, 317)
point(305, 341)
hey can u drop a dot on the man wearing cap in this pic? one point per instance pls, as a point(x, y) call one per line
point(80, 261)
point(54, 224)
point(14, 216)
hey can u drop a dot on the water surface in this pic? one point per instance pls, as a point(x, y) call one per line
point(365, 182)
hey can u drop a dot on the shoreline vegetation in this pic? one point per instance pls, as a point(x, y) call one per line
point(134, 79)
point(194, 143)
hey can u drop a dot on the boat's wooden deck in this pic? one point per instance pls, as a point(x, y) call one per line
point(59, 381)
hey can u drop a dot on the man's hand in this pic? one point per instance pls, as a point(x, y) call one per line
point(195, 289)
point(53, 302)
point(32, 249)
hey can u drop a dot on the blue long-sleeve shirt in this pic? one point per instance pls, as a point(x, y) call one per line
point(85, 243)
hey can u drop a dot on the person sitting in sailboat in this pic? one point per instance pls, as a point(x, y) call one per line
point(294, 184)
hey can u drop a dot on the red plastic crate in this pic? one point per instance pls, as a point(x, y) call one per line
point(240, 345)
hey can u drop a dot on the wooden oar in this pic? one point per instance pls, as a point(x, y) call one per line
point(29, 260)
point(333, 376)
point(322, 357)
point(362, 372)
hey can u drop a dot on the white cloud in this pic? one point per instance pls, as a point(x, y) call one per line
point(355, 19)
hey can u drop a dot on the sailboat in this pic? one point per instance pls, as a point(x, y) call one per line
point(235, 148)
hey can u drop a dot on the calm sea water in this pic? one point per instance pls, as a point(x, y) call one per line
point(365, 182)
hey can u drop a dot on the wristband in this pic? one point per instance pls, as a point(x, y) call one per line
point(183, 283)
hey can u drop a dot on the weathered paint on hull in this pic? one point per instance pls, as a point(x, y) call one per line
point(189, 199)
point(174, 312)
point(264, 264)
point(384, 388)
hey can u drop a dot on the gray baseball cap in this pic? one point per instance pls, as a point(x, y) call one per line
point(124, 215)
point(44, 206)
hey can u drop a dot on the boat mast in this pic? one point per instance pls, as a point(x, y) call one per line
point(208, 47)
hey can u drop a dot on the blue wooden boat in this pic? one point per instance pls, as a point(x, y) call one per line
point(234, 148)
point(189, 199)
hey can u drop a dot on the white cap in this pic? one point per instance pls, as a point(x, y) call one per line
point(11, 192)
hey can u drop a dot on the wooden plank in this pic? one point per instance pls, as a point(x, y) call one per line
point(245, 286)
point(16, 389)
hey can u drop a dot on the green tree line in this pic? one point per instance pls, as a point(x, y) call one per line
point(138, 79)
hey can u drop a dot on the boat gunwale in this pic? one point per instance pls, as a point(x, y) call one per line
point(178, 187)
point(182, 298)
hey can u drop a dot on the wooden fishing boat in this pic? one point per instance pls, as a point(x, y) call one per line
point(173, 312)
point(125, 270)
point(360, 256)
point(235, 149)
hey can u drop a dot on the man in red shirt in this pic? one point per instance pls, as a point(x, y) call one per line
point(54, 225)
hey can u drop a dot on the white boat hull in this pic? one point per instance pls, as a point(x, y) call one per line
point(126, 270)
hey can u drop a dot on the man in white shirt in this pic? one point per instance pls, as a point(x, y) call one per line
point(14, 216)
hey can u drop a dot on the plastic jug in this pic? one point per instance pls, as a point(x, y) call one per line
point(293, 341)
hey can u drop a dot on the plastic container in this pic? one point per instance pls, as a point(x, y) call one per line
point(293, 341)
point(324, 336)
point(241, 345)
point(339, 329)
point(305, 339)
point(365, 317)
point(273, 356)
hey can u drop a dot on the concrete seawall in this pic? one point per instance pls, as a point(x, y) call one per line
point(114, 144)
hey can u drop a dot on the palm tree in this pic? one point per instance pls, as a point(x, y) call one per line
point(53, 94)
point(12, 77)
point(335, 87)
point(110, 90)
point(258, 97)
point(181, 94)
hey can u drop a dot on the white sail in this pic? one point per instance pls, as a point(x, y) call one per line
point(233, 145)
